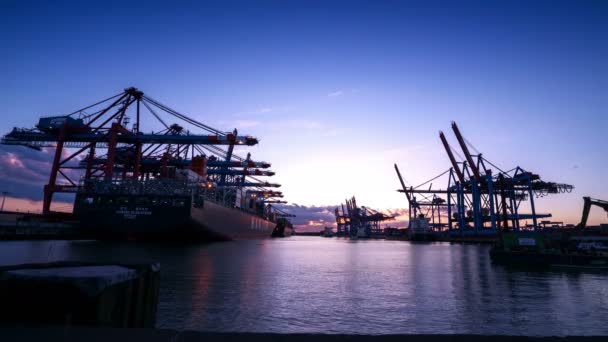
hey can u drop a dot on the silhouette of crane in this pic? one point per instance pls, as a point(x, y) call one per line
point(587, 207)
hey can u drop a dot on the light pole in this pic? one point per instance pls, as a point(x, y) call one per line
point(4, 193)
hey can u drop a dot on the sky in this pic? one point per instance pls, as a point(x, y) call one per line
point(336, 91)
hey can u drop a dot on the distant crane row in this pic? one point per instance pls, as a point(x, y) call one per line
point(477, 200)
point(358, 222)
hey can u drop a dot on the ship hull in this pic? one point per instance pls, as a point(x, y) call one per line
point(172, 219)
point(423, 237)
point(543, 260)
point(230, 223)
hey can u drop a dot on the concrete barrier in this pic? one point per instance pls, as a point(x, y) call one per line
point(75, 293)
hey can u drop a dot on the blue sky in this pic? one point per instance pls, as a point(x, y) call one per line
point(338, 91)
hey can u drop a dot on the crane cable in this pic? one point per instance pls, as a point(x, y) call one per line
point(155, 115)
point(471, 145)
point(432, 179)
point(95, 104)
point(183, 117)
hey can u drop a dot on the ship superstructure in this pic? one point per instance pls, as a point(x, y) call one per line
point(139, 168)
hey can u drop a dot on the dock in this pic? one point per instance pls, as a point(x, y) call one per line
point(28, 226)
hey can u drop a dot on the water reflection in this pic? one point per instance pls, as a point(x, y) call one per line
point(309, 284)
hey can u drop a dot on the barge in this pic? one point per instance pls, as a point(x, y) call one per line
point(542, 250)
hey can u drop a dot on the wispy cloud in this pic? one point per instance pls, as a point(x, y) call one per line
point(341, 92)
point(246, 123)
point(311, 218)
point(294, 124)
point(264, 111)
point(333, 132)
point(399, 152)
point(299, 123)
point(23, 172)
point(336, 93)
point(26, 205)
point(314, 218)
point(280, 124)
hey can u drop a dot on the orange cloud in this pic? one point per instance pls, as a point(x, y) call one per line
point(24, 205)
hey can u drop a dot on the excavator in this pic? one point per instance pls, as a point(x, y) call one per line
point(587, 206)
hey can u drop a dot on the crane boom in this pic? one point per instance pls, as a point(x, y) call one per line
point(587, 207)
point(465, 149)
point(187, 162)
point(451, 156)
point(407, 194)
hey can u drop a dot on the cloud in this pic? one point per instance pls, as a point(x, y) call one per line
point(341, 92)
point(11, 161)
point(299, 123)
point(263, 111)
point(26, 205)
point(310, 218)
point(395, 212)
point(315, 218)
point(246, 123)
point(24, 172)
point(333, 132)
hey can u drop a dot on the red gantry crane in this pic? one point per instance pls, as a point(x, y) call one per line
point(117, 139)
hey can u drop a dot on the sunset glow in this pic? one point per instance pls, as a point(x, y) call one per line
point(335, 96)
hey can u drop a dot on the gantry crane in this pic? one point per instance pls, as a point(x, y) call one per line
point(479, 201)
point(100, 144)
point(588, 202)
point(355, 220)
point(416, 215)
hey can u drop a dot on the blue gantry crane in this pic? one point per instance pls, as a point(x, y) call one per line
point(479, 200)
point(359, 222)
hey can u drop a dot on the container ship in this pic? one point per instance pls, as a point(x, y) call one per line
point(172, 184)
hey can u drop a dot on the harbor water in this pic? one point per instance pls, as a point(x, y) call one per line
point(329, 285)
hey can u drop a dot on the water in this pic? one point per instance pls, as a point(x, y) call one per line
point(313, 284)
